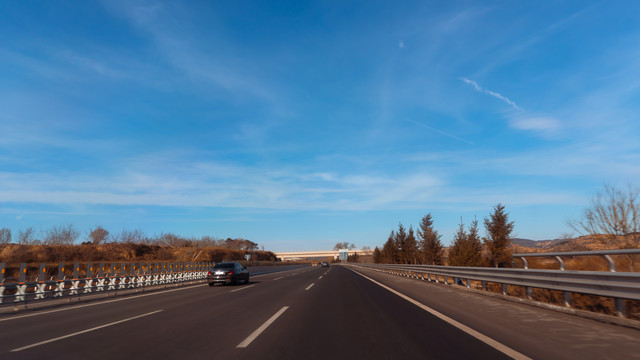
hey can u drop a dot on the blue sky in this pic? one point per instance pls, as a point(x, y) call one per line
point(299, 125)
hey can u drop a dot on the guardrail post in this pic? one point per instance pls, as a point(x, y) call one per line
point(524, 261)
point(100, 286)
point(621, 310)
point(22, 277)
point(76, 270)
point(612, 265)
point(529, 293)
point(21, 292)
point(42, 272)
point(484, 285)
point(567, 298)
point(505, 290)
point(2, 282)
point(560, 262)
point(41, 286)
point(75, 282)
point(88, 278)
point(60, 271)
point(60, 288)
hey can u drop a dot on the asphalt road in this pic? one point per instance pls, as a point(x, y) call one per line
point(310, 313)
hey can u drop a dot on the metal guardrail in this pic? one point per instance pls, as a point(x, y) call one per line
point(606, 254)
point(617, 285)
point(93, 278)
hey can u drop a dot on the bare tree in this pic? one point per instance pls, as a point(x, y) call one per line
point(5, 236)
point(27, 236)
point(344, 245)
point(615, 213)
point(131, 237)
point(98, 235)
point(63, 235)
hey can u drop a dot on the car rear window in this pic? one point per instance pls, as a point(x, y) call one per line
point(224, 266)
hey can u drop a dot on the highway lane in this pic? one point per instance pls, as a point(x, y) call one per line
point(539, 333)
point(193, 319)
point(320, 313)
point(348, 317)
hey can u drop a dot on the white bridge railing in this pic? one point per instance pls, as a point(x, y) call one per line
point(88, 278)
point(617, 285)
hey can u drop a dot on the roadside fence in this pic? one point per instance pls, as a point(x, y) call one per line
point(23, 283)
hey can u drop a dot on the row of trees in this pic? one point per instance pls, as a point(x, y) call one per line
point(406, 247)
point(69, 235)
point(57, 235)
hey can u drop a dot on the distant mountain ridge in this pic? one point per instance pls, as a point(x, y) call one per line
point(535, 243)
point(581, 243)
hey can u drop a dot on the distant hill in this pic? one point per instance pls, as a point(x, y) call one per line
point(582, 243)
point(532, 243)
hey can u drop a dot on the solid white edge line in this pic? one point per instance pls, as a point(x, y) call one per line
point(83, 331)
point(485, 339)
point(309, 287)
point(262, 328)
point(277, 278)
point(242, 288)
point(320, 278)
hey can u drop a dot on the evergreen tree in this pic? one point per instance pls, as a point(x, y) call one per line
point(498, 237)
point(467, 247)
point(377, 256)
point(389, 250)
point(456, 256)
point(431, 249)
point(401, 243)
point(410, 250)
point(474, 246)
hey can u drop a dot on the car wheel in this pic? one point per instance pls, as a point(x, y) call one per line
point(247, 281)
point(212, 284)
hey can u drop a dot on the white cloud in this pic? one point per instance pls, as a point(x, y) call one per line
point(491, 93)
point(540, 124)
point(401, 44)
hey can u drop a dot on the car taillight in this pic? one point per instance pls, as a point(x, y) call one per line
point(209, 273)
point(230, 273)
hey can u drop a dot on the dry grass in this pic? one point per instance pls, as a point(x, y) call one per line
point(13, 254)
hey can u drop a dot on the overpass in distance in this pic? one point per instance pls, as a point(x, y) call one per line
point(303, 255)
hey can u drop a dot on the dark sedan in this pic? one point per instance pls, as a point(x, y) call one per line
point(228, 273)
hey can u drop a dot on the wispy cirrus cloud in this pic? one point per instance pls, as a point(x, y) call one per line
point(491, 93)
point(234, 74)
point(541, 124)
point(443, 132)
point(522, 119)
